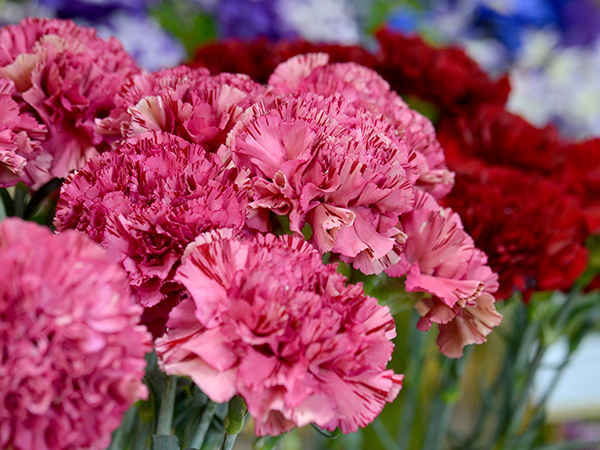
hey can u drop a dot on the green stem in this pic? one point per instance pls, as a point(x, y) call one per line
point(20, 200)
point(234, 422)
point(416, 345)
point(443, 403)
point(205, 420)
point(383, 434)
point(167, 406)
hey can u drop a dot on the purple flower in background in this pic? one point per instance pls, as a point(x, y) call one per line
point(93, 9)
point(247, 19)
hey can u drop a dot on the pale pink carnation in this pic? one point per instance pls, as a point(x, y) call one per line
point(185, 102)
point(440, 259)
point(146, 201)
point(367, 89)
point(67, 77)
point(337, 168)
point(72, 350)
point(266, 320)
point(20, 136)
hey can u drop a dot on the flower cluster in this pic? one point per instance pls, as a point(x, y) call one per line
point(72, 352)
point(268, 321)
point(66, 77)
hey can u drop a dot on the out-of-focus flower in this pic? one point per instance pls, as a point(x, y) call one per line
point(67, 77)
point(72, 349)
point(440, 258)
point(266, 320)
point(150, 46)
point(94, 9)
point(182, 101)
point(557, 85)
point(326, 163)
point(145, 202)
point(20, 136)
point(533, 241)
point(445, 76)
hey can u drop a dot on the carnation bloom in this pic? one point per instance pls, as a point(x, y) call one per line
point(340, 169)
point(266, 320)
point(146, 201)
point(366, 89)
point(182, 101)
point(533, 241)
point(20, 136)
point(72, 350)
point(67, 77)
point(440, 258)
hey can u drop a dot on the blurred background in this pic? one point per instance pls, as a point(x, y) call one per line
point(549, 48)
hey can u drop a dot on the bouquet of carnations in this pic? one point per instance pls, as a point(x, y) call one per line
point(242, 233)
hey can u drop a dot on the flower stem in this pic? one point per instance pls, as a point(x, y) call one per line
point(205, 420)
point(234, 422)
point(167, 406)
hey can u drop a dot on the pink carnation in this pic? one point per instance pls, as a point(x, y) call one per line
point(186, 102)
point(20, 136)
point(146, 201)
point(337, 168)
point(266, 320)
point(366, 89)
point(440, 258)
point(67, 77)
point(72, 350)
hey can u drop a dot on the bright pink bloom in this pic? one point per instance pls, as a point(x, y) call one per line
point(20, 136)
point(366, 89)
point(67, 77)
point(146, 201)
point(186, 102)
point(440, 258)
point(72, 350)
point(337, 168)
point(266, 320)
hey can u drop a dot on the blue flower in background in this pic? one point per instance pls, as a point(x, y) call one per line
point(247, 19)
point(93, 10)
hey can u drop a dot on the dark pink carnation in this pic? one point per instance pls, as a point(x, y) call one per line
point(366, 89)
point(266, 320)
point(72, 350)
point(339, 169)
point(186, 102)
point(146, 201)
point(20, 136)
point(440, 259)
point(67, 77)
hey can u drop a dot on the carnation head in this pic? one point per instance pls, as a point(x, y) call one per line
point(66, 77)
point(146, 201)
point(266, 320)
point(73, 352)
point(339, 169)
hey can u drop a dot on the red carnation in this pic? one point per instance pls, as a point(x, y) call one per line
point(531, 230)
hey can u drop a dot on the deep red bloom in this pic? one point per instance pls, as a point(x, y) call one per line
point(259, 58)
point(445, 76)
point(531, 230)
point(493, 135)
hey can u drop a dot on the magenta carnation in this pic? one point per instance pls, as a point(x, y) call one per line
point(67, 77)
point(366, 89)
point(20, 136)
point(440, 259)
point(186, 102)
point(266, 320)
point(72, 350)
point(339, 169)
point(146, 201)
